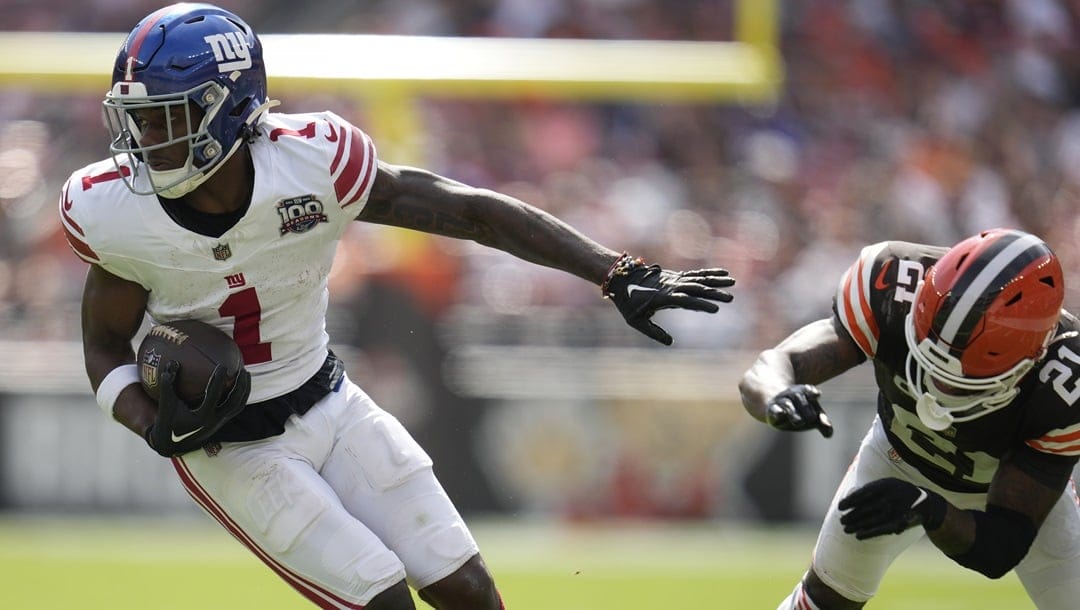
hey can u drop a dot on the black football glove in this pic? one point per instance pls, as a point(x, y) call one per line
point(179, 427)
point(890, 506)
point(639, 291)
point(797, 408)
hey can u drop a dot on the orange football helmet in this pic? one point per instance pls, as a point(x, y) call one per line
point(981, 319)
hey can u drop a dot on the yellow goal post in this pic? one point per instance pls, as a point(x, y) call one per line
point(744, 70)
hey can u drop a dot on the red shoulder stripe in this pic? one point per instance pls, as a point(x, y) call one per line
point(853, 302)
point(351, 169)
point(844, 307)
point(1038, 445)
point(865, 267)
point(80, 247)
point(65, 206)
point(342, 142)
point(368, 173)
point(1062, 441)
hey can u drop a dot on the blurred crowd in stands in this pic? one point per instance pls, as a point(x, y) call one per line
point(899, 119)
point(920, 120)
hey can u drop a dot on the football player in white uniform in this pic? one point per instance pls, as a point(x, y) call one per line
point(977, 428)
point(212, 207)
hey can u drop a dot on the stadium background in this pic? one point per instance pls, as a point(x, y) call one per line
point(923, 121)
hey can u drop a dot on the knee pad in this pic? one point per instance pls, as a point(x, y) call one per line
point(385, 453)
point(281, 508)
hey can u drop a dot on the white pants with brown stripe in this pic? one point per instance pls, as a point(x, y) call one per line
point(341, 506)
point(854, 568)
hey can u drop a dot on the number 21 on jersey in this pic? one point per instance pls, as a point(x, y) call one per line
point(908, 276)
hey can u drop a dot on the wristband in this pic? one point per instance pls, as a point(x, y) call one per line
point(114, 383)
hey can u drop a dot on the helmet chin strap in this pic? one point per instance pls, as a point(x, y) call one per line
point(159, 177)
point(931, 414)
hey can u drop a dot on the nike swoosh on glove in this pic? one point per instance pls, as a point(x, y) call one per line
point(180, 427)
point(639, 290)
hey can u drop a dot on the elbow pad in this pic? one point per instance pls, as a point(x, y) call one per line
point(1002, 540)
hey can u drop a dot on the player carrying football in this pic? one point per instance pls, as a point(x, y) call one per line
point(978, 422)
point(216, 209)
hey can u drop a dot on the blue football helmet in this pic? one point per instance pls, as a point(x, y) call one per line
point(186, 60)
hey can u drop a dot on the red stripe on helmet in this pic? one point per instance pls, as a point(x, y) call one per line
point(140, 36)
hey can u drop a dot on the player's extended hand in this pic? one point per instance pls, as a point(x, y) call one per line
point(639, 291)
point(180, 427)
point(797, 408)
point(890, 506)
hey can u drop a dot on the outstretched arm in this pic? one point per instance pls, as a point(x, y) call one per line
point(420, 200)
point(779, 387)
point(417, 199)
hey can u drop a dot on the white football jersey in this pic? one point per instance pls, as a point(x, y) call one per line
point(264, 281)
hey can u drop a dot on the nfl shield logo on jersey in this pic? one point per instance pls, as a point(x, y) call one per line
point(221, 251)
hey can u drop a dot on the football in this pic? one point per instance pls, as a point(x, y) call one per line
point(198, 347)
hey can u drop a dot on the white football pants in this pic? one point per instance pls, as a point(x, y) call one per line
point(854, 568)
point(341, 506)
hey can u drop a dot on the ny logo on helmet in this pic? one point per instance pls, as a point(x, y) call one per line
point(230, 46)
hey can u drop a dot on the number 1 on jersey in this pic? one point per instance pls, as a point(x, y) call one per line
point(244, 307)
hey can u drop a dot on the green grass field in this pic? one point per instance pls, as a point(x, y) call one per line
point(50, 564)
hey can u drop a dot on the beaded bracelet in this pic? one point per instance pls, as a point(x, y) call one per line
point(622, 266)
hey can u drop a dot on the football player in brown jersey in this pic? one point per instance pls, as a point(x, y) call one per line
point(977, 428)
